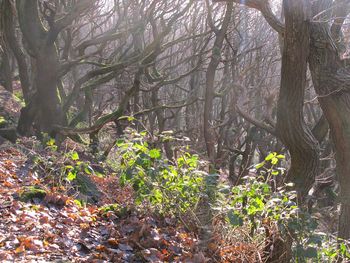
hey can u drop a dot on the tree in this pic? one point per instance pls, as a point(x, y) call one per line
point(212, 77)
point(330, 77)
point(44, 108)
point(210, 81)
point(291, 128)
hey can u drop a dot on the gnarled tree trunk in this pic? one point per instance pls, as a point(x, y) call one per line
point(332, 84)
point(44, 108)
point(291, 128)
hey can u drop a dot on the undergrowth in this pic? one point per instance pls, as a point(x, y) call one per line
point(265, 212)
point(259, 216)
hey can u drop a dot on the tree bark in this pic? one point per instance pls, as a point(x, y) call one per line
point(332, 84)
point(5, 66)
point(291, 127)
point(44, 108)
point(45, 105)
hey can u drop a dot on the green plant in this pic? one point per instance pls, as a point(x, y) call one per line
point(49, 142)
point(333, 250)
point(3, 121)
point(258, 201)
point(258, 198)
point(309, 244)
point(77, 166)
point(18, 96)
point(170, 187)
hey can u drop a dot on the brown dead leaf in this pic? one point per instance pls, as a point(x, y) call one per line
point(212, 246)
point(100, 248)
point(44, 219)
point(7, 184)
point(113, 242)
point(20, 249)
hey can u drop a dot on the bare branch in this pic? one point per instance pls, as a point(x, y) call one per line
point(264, 7)
point(255, 122)
point(65, 21)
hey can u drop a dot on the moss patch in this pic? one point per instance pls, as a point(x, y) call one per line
point(30, 192)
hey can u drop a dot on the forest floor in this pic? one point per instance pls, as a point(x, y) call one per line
point(54, 227)
point(44, 218)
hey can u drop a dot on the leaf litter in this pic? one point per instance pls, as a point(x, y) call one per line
point(57, 228)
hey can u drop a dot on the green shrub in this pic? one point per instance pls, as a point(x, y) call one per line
point(258, 200)
point(168, 187)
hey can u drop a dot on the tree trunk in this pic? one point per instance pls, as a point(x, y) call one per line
point(44, 108)
point(50, 113)
point(332, 83)
point(291, 127)
point(209, 136)
point(5, 67)
point(10, 36)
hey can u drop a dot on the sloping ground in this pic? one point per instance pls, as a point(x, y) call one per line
point(10, 108)
point(54, 227)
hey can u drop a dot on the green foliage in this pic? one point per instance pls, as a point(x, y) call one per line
point(257, 199)
point(71, 171)
point(168, 187)
point(79, 203)
point(108, 208)
point(18, 96)
point(49, 142)
point(312, 245)
point(257, 202)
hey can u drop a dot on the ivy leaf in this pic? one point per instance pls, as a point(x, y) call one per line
point(270, 156)
point(71, 176)
point(120, 142)
point(155, 153)
point(75, 156)
point(158, 195)
point(344, 250)
point(51, 142)
point(259, 165)
point(69, 167)
point(274, 160)
point(88, 170)
point(131, 118)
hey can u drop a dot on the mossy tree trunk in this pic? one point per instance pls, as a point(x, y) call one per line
point(44, 109)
